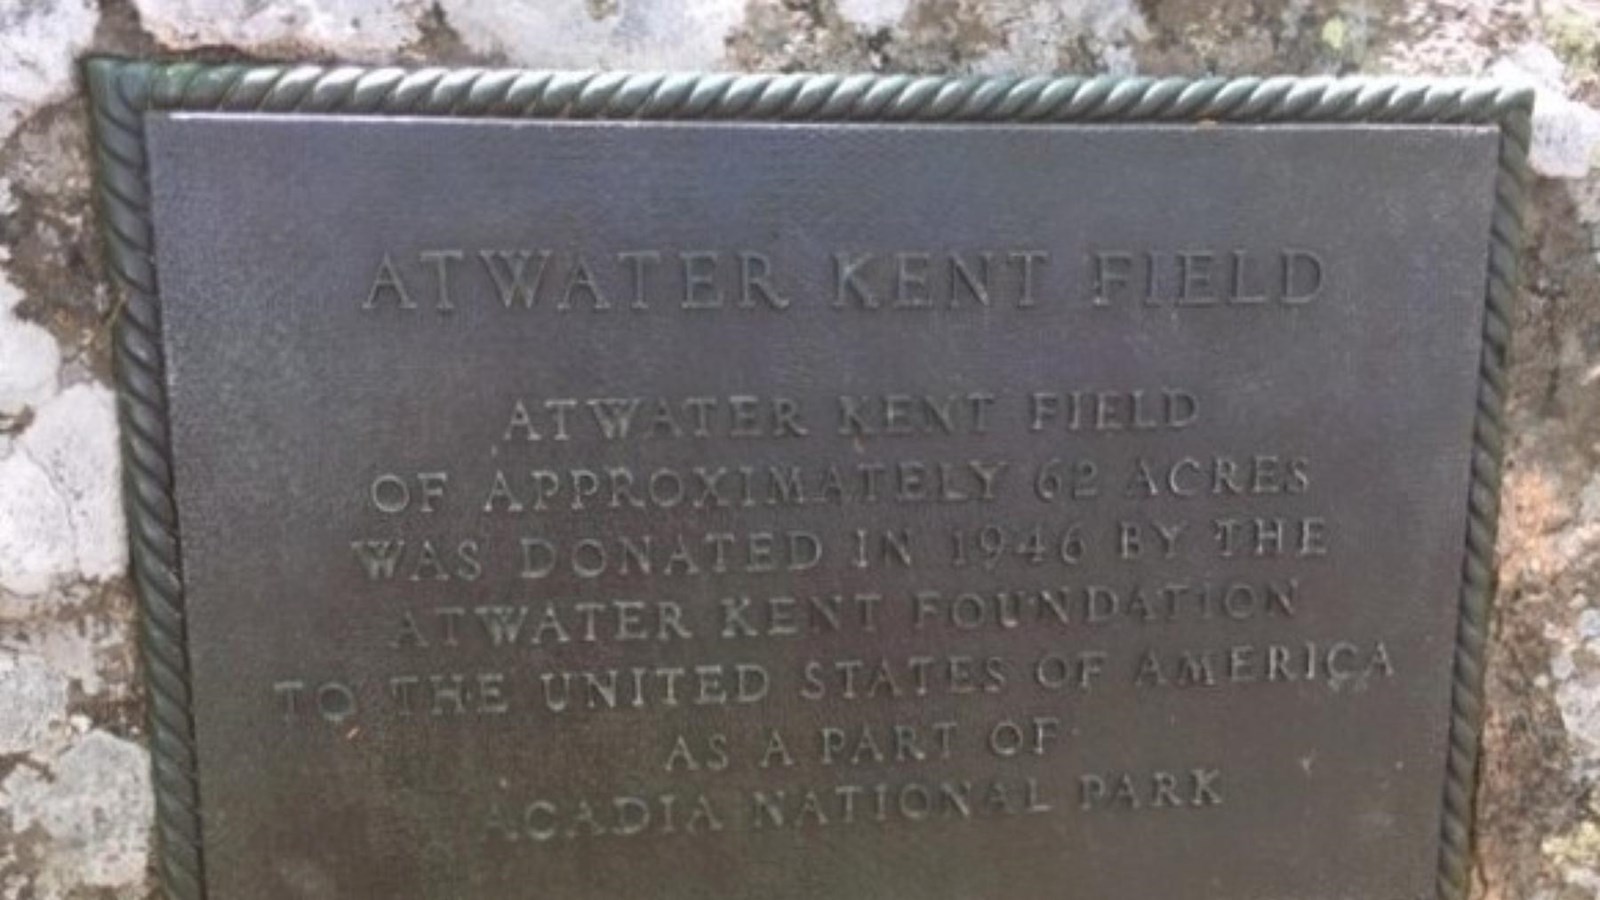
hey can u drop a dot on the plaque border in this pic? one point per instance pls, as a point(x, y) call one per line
point(122, 91)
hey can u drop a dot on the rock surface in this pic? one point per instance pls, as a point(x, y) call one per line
point(74, 789)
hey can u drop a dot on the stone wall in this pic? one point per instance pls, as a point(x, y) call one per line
point(74, 792)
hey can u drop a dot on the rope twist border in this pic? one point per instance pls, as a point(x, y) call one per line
point(123, 91)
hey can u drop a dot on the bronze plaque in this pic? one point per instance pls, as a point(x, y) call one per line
point(652, 486)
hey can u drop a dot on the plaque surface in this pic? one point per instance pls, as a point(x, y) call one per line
point(548, 496)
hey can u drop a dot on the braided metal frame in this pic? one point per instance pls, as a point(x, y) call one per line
point(123, 91)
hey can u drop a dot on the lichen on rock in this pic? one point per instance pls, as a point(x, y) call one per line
point(84, 818)
point(66, 464)
point(39, 44)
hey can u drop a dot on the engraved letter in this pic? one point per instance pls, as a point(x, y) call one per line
point(977, 286)
point(1194, 279)
point(1111, 271)
point(911, 281)
point(639, 263)
point(441, 260)
point(1026, 260)
point(1302, 276)
point(388, 279)
point(700, 280)
point(581, 279)
point(510, 275)
point(846, 280)
point(755, 273)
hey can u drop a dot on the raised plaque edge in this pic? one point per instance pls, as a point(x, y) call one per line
point(122, 91)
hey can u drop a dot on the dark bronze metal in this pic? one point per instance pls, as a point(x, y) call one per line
point(912, 405)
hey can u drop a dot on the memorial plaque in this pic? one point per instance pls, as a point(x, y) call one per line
point(600, 486)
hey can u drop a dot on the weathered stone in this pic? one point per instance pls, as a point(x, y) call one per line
point(73, 441)
point(874, 13)
point(33, 700)
point(357, 29)
point(38, 42)
point(649, 34)
point(36, 541)
point(85, 817)
point(29, 376)
point(1566, 134)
